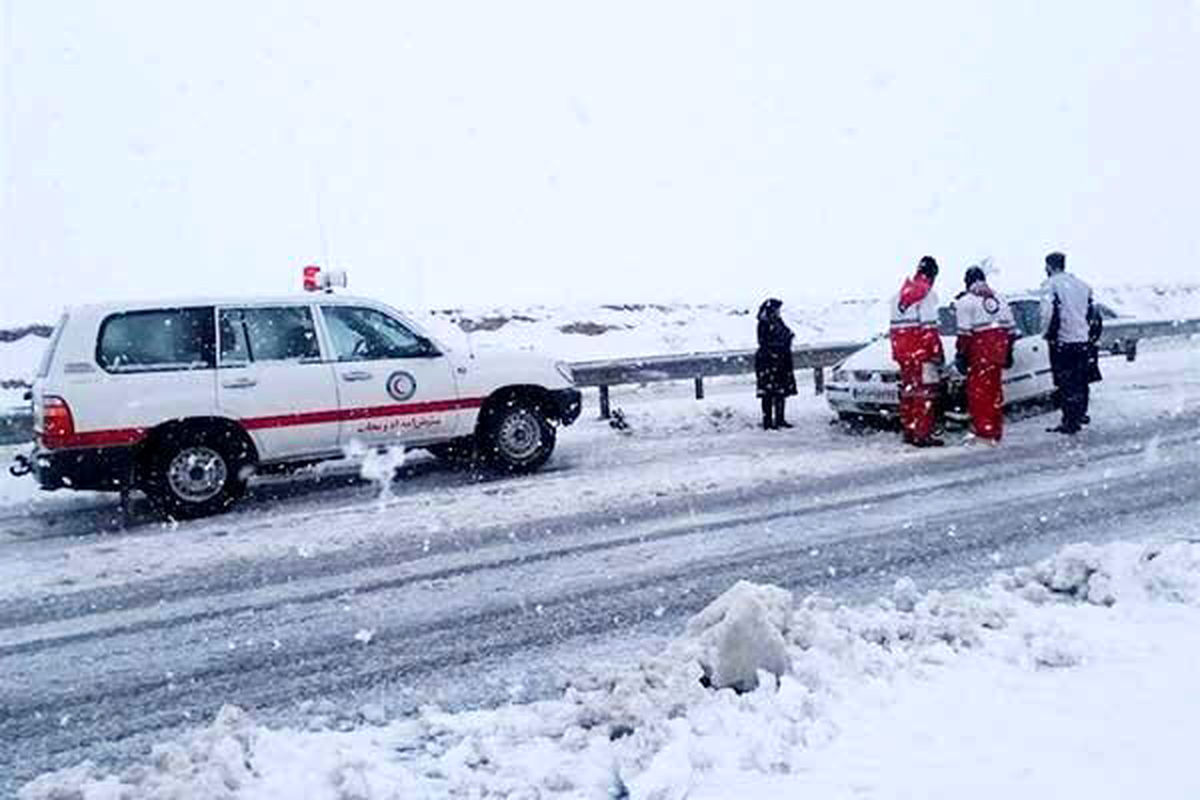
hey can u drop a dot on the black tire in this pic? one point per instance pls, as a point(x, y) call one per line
point(516, 436)
point(192, 472)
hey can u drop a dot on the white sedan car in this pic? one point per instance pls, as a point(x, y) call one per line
point(867, 384)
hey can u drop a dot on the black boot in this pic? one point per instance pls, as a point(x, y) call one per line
point(768, 409)
point(780, 422)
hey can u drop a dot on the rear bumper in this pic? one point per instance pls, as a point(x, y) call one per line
point(566, 405)
point(100, 469)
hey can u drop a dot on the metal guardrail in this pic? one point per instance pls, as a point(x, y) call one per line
point(16, 427)
point(698, 366)
point(1120, 338)
point(1118, 333)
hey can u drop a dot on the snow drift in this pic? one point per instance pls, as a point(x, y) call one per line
point(664, 728)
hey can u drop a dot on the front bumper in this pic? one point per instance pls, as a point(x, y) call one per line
point(843, 400)
point(98, 469)
point(566, 405)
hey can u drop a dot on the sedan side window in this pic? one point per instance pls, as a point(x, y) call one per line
point(284, 333)
point(364, 334)
point(1028, 316)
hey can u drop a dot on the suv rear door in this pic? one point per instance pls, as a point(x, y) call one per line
point(271, 377)
point(155, 364)
point(395, 386)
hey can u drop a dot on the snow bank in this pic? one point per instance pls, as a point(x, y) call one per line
point(655, 730)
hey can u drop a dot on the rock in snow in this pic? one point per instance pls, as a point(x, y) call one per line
point(740, 633)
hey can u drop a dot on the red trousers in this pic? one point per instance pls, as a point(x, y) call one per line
point(987, 350)
point(985, 398)
point(918, 401)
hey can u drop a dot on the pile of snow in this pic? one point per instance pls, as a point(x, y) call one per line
point(823, 675)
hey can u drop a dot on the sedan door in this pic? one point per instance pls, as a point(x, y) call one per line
point(1029, 376)
point(395, 387)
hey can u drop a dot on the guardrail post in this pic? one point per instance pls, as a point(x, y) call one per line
point(699, 388)
point(605, 410)
point(819, 379)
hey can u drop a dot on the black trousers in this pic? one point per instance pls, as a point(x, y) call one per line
point(773, 410)
point(1070, 363)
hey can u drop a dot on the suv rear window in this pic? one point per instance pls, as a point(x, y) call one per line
point(157, 340)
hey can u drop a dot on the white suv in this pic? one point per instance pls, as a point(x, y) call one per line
point(185, 400)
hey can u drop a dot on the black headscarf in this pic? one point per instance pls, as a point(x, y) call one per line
point(773, 332)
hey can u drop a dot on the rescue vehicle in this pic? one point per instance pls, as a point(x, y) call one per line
point(185, 400)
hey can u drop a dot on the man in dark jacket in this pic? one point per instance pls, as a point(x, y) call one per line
point(774, 366)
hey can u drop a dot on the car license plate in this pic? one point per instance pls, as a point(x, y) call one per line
point(877, 394)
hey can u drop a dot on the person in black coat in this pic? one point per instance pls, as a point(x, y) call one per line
point(774, 366)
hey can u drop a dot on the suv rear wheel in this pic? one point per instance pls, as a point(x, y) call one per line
point(518, 436)
point(195, 472)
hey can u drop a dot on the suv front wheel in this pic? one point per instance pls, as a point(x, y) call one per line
point(195, 473)
point(518, 437)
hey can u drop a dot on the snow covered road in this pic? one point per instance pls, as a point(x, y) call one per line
point(462, 593)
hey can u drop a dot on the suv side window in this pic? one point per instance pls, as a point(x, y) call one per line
point(279, 333)
point(364, 334)
point(156, 340)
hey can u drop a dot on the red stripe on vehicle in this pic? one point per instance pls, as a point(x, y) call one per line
point(366, 412)
point(123, 437)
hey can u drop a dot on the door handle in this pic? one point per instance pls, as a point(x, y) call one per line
point(240, 383)
point(357, 375)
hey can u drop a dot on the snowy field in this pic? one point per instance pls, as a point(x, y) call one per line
point(1075, 677)
point(341, 612)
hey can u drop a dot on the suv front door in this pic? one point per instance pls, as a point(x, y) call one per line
point(395, 387)
point(271, 377)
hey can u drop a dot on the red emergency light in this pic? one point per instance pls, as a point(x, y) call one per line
point(312, 278)
point(317, 280)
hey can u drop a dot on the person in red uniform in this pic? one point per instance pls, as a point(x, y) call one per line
point(917, 348)
point(984, 349)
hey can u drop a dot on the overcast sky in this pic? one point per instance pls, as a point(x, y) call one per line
point(506, 153)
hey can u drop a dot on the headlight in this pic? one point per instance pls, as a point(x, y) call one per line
point(840, 376)
point(564, 369)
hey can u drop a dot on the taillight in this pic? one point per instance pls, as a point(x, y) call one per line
point(58, 426)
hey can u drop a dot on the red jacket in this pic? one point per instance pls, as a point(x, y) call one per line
point(914, 329)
